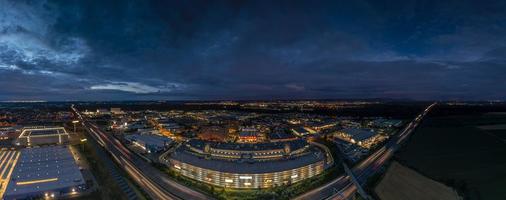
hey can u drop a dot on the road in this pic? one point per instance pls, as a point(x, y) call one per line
point(342, 187)
point(155, 183)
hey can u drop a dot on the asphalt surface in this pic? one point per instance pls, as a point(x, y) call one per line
point(342, 187)
point(155, 183)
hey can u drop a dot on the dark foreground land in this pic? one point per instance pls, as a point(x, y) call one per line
point(400, 183)
point(463, 147)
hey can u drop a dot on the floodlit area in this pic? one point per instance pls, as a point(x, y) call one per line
point(8, 160)
point(32, 136)
point(44, 172)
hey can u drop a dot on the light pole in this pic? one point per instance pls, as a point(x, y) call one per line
point(74, 123)
point(82, 143)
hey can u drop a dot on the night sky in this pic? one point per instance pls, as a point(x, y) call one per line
point(208, 50)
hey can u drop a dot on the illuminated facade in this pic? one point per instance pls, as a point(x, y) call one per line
point(42, 135)
point(365, 138)
point(260, 165)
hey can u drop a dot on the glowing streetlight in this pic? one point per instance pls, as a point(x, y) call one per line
point(74, 123)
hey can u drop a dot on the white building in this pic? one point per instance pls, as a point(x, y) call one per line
point(149, 143)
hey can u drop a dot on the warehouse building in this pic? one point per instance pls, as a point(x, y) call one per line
point(45, 172)
point(362, 137)
point(149, 143)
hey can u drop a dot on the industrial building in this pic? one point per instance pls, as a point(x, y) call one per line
point(260, 165)
point(301, 131)
point(44, 172)
point(149, 143)
point(362, 137)
point(32, 136)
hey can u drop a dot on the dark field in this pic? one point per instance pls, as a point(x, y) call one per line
point(450, 148)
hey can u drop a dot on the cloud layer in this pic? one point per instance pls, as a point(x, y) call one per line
point(128, 50)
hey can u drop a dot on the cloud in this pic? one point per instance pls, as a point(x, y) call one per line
point(133, 87)
point(28, 42)
point(295, 87)
point(244, 50)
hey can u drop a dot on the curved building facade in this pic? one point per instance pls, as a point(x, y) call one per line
point(261, 165)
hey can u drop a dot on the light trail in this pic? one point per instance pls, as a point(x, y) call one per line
point(366, 167)
point(153, 182)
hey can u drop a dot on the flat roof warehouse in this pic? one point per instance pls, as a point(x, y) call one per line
point(47, 169)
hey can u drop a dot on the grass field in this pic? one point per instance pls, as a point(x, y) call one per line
point(453, 150)
point(400, 183)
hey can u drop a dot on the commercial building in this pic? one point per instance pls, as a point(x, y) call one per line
point(149, 143)
point(260, 165)
point(249, 135)
point(117, 111)
point(103, 111)
point(362, 137)
point(44, 172)
point(385, 123)
point(31, 136)
point(281, 137)
point(213, 133)
point(301, 131)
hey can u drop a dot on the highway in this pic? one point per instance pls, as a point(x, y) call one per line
point(155, 183)
point(342, 187)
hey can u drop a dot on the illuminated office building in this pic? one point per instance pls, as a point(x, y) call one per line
point(259, 165)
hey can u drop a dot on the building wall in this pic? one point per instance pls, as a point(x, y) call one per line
point(233, 180)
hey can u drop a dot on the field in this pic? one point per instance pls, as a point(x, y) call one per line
point(400, 183)
point(453, 149)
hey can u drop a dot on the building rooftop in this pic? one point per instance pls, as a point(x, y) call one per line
point(44, 169)
point(281, 136)
point(149, 139)
point(294, 145)
point(248, 167)
point(248, 134)
point(43, 131)
point(359, 134)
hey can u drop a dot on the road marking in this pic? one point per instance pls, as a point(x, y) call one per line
point(13, 159)
point(4, 167)
point(4, 159)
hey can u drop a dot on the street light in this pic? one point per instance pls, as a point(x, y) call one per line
point(75, 122)
point(83, 140)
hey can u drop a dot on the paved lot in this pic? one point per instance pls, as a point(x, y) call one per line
point(8, 160)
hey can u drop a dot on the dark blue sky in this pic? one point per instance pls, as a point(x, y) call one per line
point(177, 50)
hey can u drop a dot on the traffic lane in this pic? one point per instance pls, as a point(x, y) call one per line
point(372, 164)
point(152, 172)
point(118, 156)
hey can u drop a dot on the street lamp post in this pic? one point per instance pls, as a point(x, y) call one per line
point(82, 143)
point(74, 123)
